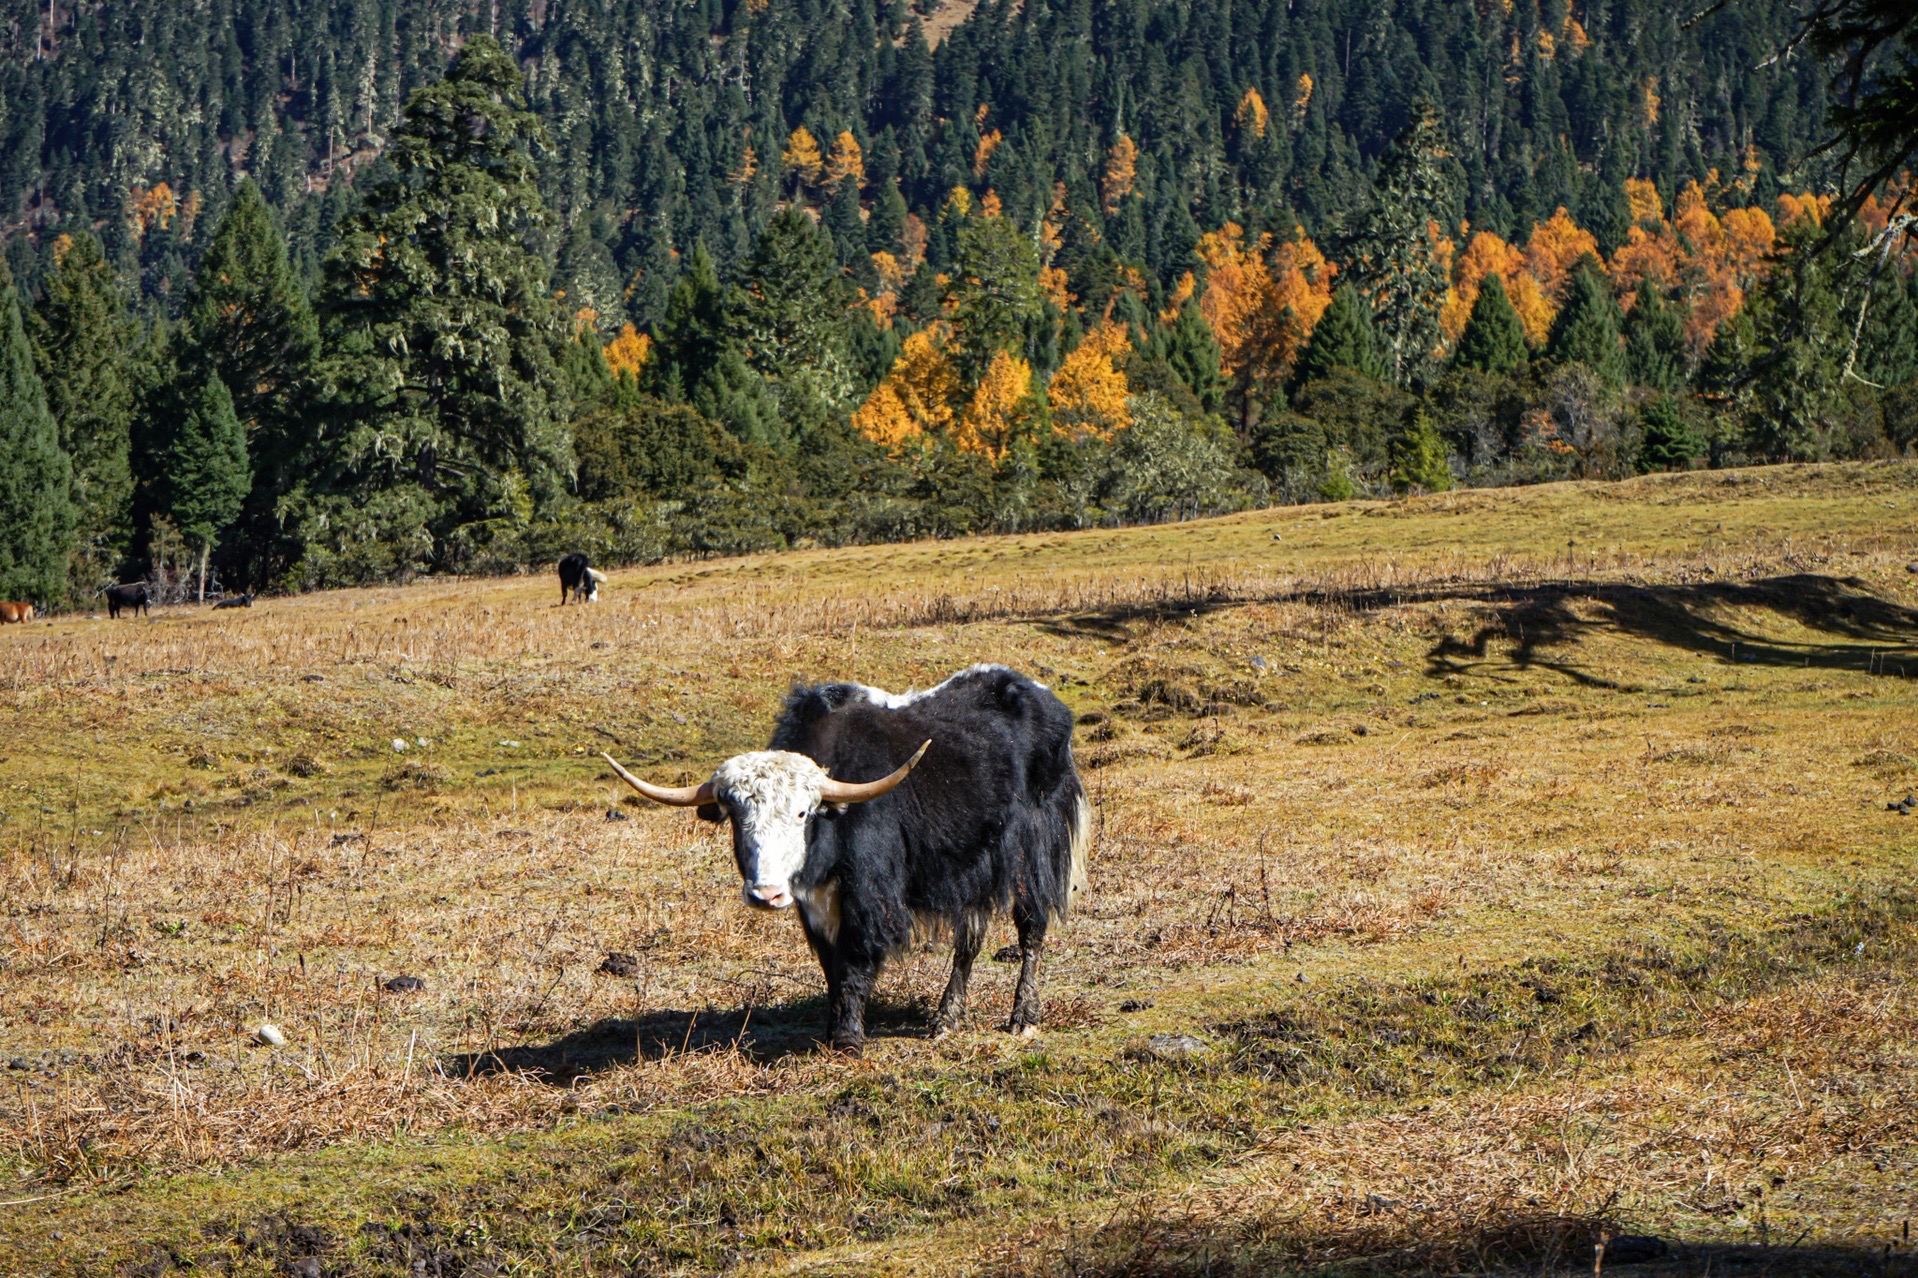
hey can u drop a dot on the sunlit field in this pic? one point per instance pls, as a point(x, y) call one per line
point(1479, 880)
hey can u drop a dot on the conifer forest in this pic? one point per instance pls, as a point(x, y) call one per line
point(302, 293)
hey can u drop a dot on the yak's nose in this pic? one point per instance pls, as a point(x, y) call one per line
point(769, 895)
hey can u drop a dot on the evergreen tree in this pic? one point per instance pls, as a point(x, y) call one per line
point(1790, 398)
point(1419, 458)
point(207, 475)
point(36, 513)
point(83, 340)
point(250, 325)
point(1655, 342)
point(1586, 330)
point(692, 335)
point(1394, 258)
point(1192, 351)
point(994, 293)
point(789, 317)
point(1494, 340)
point(447, 379)
point(1343, 338)
point(1670, 442)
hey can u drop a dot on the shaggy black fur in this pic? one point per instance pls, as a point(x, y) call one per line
point(573, 578)
point(985, 823)
point(132, 595)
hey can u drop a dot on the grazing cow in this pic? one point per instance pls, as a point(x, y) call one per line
point(15, 613)
point(993, 819)
point(578, 579)
point(237, 601)
point(131, 595)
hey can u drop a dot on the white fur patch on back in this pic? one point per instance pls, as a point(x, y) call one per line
point(900, 700)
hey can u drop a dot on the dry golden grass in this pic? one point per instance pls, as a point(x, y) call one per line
point(1513, 885)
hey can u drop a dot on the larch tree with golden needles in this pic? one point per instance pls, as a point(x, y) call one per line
point(1088, 393)
point(803, 157)
point(1122, 170)
point(847, 163)
point(992, 416)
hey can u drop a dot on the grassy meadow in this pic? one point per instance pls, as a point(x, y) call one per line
point(1479, 878)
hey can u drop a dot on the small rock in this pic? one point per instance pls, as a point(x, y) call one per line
point(399, 745)
point(313, 678)
point(509, 745)
point(1006, 954)
point(1135, 1005)
point(618, 964)
point(1258, 663)
point(1278, 537)
point(305, 1267)
point(269, 1035)
point(1911, 567)
point(1169, 1047)
point(19, 1062)
point(614, 814)
point(403, 984)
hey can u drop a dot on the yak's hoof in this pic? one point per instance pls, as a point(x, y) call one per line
point(854, 1048)
point(1022, 1031)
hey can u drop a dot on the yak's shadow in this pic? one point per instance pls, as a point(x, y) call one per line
point(763, 1035)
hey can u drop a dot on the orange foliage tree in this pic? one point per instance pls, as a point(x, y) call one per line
point(915, 398)
point(629, 353)
point(1122, 169)
point(992, 416)
point(1088, 393)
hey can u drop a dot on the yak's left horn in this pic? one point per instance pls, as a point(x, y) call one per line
point(842, 792)
point(686, 796)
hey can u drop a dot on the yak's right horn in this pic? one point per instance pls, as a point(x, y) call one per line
point(686, 796)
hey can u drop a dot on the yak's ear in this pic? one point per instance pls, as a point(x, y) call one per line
point(711, 812)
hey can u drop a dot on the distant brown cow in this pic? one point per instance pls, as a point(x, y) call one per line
point(15, 612)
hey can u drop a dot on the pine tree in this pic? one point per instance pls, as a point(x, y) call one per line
point(249, 324)
point(1343, 338)
point(789, 319)
point(207, 475)
point(1586, 331)
point(1190, 349)
point(1670, 442)
point(994, 293)
point(36, 514)
point(1394, 259)
point(83, 339)
point(1655, 342)
point(447, 376)
point(1494, 339)
point(1419, 458)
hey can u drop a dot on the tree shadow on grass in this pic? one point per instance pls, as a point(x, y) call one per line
point(1850, 627)
point(1543, 624)
point(764, 1035)
point(1385, 1241)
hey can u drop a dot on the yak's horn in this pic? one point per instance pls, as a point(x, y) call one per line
point(842, 792)
point(686, 796)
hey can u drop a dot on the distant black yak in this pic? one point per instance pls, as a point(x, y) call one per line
point(578, 579)
point(993, 819)
point(131, 595)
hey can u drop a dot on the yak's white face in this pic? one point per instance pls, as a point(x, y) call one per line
point(770, 795)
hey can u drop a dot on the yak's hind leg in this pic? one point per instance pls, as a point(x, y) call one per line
point(1032, 943)
point(967, 936)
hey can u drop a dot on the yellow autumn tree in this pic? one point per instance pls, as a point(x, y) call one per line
point(1485, 255)
point(1088, 393)
point(847, 163)
point(982, 154)
point(803, 156)
point(916, 396)
point(1302, 288)
point(1643, 202)
point(1301, 98)
point(629, 353)
point(1251, 117)
point(1554, 248)
point(991, 418)
point(1237, 287)
point(1122, 170)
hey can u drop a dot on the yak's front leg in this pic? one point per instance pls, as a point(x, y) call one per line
point(847, 986)
point(967, 937)
point(1032, 944)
